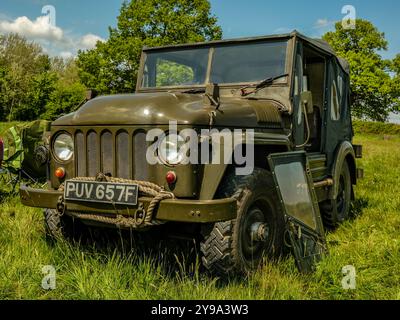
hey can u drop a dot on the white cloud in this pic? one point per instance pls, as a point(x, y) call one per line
point(323, 23)
point(66, 54)
point(53, 39)
point(38, 29)
point(322, 26)
point(89, 41)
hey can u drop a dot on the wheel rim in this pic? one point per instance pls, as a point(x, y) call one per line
point(257, 217)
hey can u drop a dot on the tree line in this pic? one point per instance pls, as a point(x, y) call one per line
point(34, 85)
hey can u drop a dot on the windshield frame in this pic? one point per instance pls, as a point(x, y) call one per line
point(211, 47)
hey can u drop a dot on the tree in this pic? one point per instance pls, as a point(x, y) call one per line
point(63, 100)
point(24, 70)
point(3, 85)
point(68, 92)
point(396, 66)
point(33, 85)
point(396, 79)
point(112, 66)
point(374, 92)
point(38, 95)
point(66, 70)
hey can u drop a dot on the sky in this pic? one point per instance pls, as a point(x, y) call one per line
point(311, 17)
point(78, 24)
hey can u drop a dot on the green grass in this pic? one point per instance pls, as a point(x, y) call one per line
point(118, 270)
point(378, 128)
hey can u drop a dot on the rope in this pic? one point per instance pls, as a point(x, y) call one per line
point(141, 218)
point(120, 221)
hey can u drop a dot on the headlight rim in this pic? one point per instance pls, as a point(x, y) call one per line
point(53, 150)
point(179, 151)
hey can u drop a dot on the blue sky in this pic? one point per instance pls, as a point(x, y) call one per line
point(79, 24)
point(311, 17)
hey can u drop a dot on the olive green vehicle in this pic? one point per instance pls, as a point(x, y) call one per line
point(293, 91)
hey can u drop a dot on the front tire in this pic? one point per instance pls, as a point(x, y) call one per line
point(239, 245)
point(59, 226)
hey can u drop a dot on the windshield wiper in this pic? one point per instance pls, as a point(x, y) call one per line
point(195, 91)
point(261, 85)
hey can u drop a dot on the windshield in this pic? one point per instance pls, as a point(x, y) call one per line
point(237, 63)
point(176, 68)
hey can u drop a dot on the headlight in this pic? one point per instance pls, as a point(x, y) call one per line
point(64, 147)
point(170, 149)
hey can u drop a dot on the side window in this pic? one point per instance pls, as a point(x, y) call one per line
point(335, 106)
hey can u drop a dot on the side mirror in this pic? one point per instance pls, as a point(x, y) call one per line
point(307, 100)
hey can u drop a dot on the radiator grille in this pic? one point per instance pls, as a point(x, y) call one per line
point(119, 153)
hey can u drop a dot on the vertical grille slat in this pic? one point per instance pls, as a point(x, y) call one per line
point(107, 161)
point(80, 154)
point(92, 154)
point(123, 155)
point(139, 155)
point(130, 157)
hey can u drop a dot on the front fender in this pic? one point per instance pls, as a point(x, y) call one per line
point(214, 173)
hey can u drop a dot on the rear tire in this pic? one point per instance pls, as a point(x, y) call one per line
point(228, 247)
point(335, 212)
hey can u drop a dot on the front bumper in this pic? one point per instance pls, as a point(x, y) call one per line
point(189, 211)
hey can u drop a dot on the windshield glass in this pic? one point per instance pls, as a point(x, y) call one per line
point(248, 62)
point(176, 68)
point(235, 63)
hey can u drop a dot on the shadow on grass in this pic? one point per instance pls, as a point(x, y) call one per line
point(177, 258)
point(357, 208)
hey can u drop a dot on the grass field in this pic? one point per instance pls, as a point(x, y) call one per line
point(116, 269)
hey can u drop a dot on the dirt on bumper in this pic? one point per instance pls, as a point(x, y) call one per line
point(177, 210)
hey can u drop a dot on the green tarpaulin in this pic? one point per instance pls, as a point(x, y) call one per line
point(20, 144)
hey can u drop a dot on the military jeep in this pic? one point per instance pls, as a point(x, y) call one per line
point(291, 90)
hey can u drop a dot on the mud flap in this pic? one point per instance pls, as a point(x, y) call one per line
point(305, 234)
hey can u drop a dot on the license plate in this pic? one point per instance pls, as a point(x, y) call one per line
point(101, 192)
